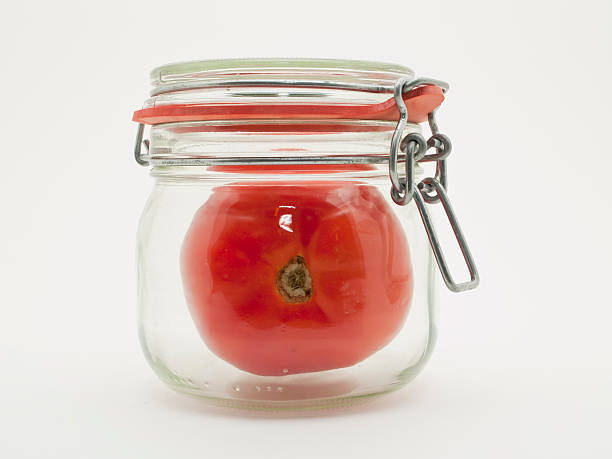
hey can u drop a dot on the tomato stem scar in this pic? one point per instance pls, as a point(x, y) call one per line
point(293, 281)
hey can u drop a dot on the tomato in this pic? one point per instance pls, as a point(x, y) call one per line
point(296, 277)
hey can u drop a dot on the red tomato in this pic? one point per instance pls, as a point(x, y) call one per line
point(296, 277)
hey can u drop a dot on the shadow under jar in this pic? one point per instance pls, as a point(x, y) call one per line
point(275, 268)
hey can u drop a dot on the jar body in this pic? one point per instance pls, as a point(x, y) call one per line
point(193, 345)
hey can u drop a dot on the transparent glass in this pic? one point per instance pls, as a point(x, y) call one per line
point(274, 270)
point(217, 318)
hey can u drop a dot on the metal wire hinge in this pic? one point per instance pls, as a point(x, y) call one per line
point(430, 190)
point(414, 147)
point(141, 159)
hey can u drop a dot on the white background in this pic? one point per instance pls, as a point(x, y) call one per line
point(523, 366)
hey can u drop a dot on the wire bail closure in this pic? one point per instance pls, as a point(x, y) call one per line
point(414, 147)
point(141, 159)
point(430, 190)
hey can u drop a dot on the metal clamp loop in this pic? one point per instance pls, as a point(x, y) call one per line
point(141, 159)
point(432, 189)
point(442, 145)
point(435, 243)
point(418, 142)
point(441, 176)
point(403, 85)
point(412, 145)
point(398, 91)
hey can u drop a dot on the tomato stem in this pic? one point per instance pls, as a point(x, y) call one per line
point(293, 281)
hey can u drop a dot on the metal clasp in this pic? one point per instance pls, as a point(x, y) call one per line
point(403, 190)
point(141, 159)
point(435, 243)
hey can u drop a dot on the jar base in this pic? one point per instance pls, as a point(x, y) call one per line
point(304, 394)
point(333, 389)
point(287, 405)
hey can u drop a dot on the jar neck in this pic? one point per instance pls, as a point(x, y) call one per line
point(279, 142)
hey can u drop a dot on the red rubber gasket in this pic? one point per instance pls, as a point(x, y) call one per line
point(420, 102)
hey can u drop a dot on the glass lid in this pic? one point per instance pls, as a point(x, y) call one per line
point(363, 75)
point(233, 89)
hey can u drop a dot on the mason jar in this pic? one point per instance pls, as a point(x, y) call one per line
point(276, 269)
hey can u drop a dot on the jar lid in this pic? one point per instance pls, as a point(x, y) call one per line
point(232, 89)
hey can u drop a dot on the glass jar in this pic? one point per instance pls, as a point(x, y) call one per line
point(275, 269)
